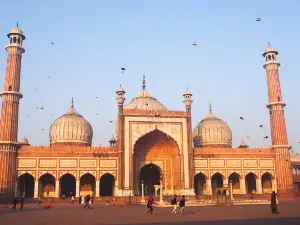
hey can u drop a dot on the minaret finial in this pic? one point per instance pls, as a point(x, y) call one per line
point(144, 81)
point(210, 110)
point(18, 23)
point(269, 43)
point(72, 106)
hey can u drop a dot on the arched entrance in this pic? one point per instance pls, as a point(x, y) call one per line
point(157, 148)
point(67, 185)
point(200, 184)
point(26, 185)
point(235, 179)
point(266, 183)
point(87, 184)
point(150, 175)
point(216, 182)
point(107, 185)
point(250, 183)
point(47, 185)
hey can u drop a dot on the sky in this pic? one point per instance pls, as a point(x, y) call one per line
point(94, 39)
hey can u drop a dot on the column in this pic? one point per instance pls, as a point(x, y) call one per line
point(274, 185)
point(242, 186)
point(97, 188)
point(77, 188)
point(258, 186)
point(16, 189)
point(36, 189)
point(208, 187)
point(57, 187)
point(225, 183)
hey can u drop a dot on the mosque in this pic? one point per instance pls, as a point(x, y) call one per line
point(156, 148)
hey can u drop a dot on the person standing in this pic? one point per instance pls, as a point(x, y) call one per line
point(80, 199)
point(14, 208)
point(182, 204)
point(22, 203)
point(273, 203)
point(174, 203)
point(40, 200)
point(150, 203)
point(72, 199)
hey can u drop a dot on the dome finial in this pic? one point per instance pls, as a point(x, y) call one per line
point(210, 110)
point(18, 23)
point(269, 43)
point(72, 105)
point(144, 81)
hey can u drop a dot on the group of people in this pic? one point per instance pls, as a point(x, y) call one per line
point(15, 202)
point(175, 202)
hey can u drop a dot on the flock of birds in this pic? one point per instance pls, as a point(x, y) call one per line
point(123, 69)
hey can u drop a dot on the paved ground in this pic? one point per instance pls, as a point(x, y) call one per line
point(67, 214)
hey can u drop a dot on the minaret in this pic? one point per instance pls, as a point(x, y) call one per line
point(10, 111)
point(188, 106)
point(280, 144)
point(120, 132)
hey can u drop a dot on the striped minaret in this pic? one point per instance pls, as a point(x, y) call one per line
point(10, 112)
point(280, 144)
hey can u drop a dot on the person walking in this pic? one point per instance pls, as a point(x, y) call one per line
point(40, 200)
point(14, 208)
point(72, 199)
point(80, 199)
point(87, 202)
point(174, 204)
point(273, 203)
point(22, 203)
point(182, 204)
point(150, 203)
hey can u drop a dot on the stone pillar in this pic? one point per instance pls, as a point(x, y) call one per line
point(161, 201)
point(274, 185)
point(143, 197)
point(242, 186)
point(57, 187)
point(36, 189)
point(97, 188)
point(225, 183)
point(258, 186)
point(77, 188)
point(208, 187)
point(16, 189)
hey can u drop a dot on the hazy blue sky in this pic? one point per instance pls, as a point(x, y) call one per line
point(94, 39)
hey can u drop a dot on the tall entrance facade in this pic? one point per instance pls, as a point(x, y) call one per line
point(157, 161)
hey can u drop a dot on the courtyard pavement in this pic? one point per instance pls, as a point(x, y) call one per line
point(67, 214)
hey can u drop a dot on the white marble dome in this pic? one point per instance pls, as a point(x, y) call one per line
point(71, 128)
point(212, 132)
point(145, 101)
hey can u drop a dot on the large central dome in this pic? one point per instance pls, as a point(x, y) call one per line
point(145, 101)
point(212, 132)
point(71, 128)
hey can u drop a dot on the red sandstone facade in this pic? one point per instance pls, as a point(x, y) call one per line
point(154, 147)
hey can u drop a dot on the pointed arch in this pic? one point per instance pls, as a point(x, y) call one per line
point(267, 183)
point(200, 184)
point(250, 181)
point(26, 185)
point(216, 182)
point(107, 184)
point(67, 184)
point(47, 185)
point(87, 184)
point(235, 179)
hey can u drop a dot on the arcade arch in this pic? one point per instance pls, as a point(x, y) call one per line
point(47, 185)
point(250, 181)
point(200, 184)
point(266, 183)
point(87, 184)
point(216, 182)
point(67, 185)
point(26, 185)
point(235, 179)
point(107, 185)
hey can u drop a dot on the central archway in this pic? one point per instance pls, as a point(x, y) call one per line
point(150, 175)
point(160, 150)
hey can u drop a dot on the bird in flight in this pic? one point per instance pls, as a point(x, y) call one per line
point(266, 137)
point(96, 96)
point(261, 126)
point(42, 107)
point(26, 114)
point(241, 118)
point(43, 129)
point(49, 77)
point(258, 19)
point(111, 121)
point(97, 114)
point(248, 137)
point(123, 69)
point(194, 44)
point(52, 43)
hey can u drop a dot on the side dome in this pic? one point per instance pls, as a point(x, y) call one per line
point(145, 101)
point(212, 132)
point(71, 128)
